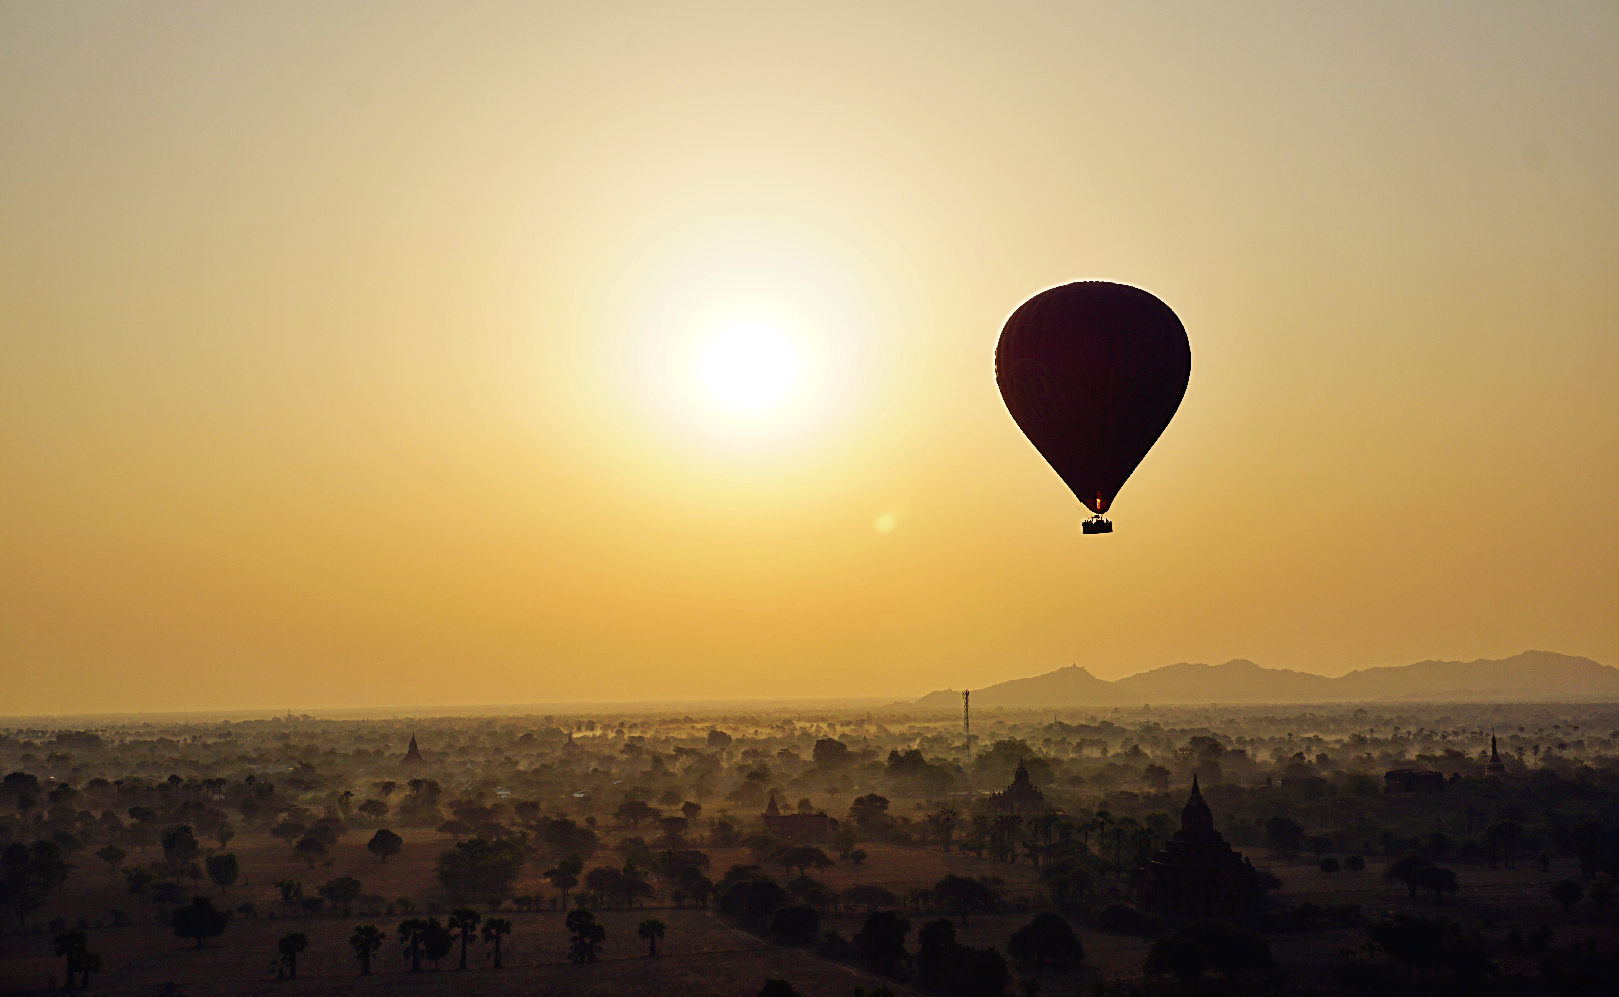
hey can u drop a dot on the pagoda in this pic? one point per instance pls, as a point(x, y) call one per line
point(1197, 872)
point(1495, 766)
point(1021, 797)
point(413, 754)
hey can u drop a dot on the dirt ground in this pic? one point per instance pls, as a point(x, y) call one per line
point(700, 956)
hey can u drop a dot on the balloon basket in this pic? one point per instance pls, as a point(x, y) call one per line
point(1096, 524)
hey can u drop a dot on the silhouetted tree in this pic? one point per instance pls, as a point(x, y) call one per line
point(797, 924)
point(437, 941)
point(1408, 871)
point(69, 945)
point(223, 869)
point(410, 932)
point(1438, 879)
point(1284, 834)
point(384, 843)
point(1205, 946)
point(495, 929)
point(587, 936)
point(199, 919)
point(651, 930)
point(480, 867)
point(1567, 893)
point(965, 896)
point(341, 892)
point(1048, 936)
point(311, 849)
point(290, 946)
point(112, 855)
point(365, 942)
point(464, 921)
point(566, 875)
point(881, 939)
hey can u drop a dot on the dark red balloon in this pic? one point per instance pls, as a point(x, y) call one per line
point(1092, 373)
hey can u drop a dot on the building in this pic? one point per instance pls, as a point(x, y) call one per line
point(797, 828)
point(1020, 797)
point(413, 754)
point(1413, 781)
point(1197, 872)
point(1495, 766)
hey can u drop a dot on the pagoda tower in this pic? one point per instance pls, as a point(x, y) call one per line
point(413, 754)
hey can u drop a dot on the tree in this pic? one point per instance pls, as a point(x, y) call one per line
point(868, 896)
point(464, 920)
point(374, 809)
point(1329, 865)
point(290, 945)
point(365, 942)
point(180, 846)
point(588, 936)
point(1567, 893)
point(690, 810)
point(384, 844)
point(1284, 835)
point(341, 892)
point(633, 812)
point(32, 873)
point(802, 857)
point(566, 875)
point(1438, 879)
point(480, 868)
point(1210, 945)
point(410, 932)
point(777, 988)
point(437, 941)
point(966, 896)
point(69, 945)
point(495, 929)
point(199, 919)
point(311, 849)
point(652, 930)
point(1601, 890)
point(1355, 864)
point(223, 869)
point(881, 939)
point(718, 740)
point(1048, 936)
point(1407, 870)
point(797, 924)
point(1156, 776)
point(224, 833)
point(112, 855)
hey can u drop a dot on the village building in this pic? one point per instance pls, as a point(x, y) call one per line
point(1413, 781)
point(1197, 872)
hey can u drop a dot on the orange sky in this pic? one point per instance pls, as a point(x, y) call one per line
point(341, 346)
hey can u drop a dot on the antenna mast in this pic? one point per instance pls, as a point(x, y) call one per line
point(966, 720)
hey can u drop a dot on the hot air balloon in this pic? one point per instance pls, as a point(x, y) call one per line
point(1092, 372)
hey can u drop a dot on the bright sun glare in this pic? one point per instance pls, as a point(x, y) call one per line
point(750, 366)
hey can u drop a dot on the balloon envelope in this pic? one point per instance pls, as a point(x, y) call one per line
point(1092, 373)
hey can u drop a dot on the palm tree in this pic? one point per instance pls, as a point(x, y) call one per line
point(494, 930)
point(465, 920)
point(365, 942)
point(651, 929)
point(289, 946)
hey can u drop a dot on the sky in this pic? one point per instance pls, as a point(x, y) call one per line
point(430, 354)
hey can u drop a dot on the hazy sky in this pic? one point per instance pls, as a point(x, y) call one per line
point(359, 354)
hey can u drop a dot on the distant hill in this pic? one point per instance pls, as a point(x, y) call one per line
point(1532, 676)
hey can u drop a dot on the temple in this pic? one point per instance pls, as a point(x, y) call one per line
point(1495, 766)
point(796, 828)
point(1020, 797)
point(413, 754)
point(1196, 872)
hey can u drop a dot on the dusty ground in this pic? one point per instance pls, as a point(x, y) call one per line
point(700, 956)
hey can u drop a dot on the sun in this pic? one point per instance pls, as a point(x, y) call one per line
point(750, 366)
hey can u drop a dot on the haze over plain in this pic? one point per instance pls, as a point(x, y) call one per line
point(343, 352)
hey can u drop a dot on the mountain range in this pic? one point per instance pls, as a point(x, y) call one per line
point(1533, 676)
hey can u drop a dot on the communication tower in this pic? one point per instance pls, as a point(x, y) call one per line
point(966, 720)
